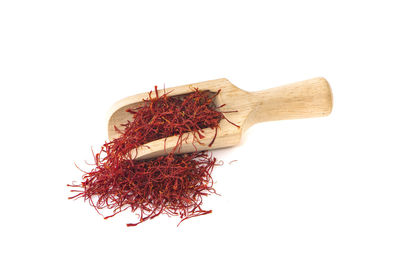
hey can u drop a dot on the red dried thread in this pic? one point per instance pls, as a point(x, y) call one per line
point(163, 116)
point(172, 184)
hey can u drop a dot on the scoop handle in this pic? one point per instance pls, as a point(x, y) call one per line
point(305, 99)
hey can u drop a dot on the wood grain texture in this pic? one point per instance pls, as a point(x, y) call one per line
point(306, 99)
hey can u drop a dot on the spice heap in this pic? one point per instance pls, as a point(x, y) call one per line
point(172, 184)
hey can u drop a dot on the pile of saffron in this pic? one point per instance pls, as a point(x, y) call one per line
point(174, 184)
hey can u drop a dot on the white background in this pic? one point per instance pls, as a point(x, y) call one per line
point(305, 196)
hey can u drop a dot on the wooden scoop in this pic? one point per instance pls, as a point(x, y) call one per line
point(306, 99)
